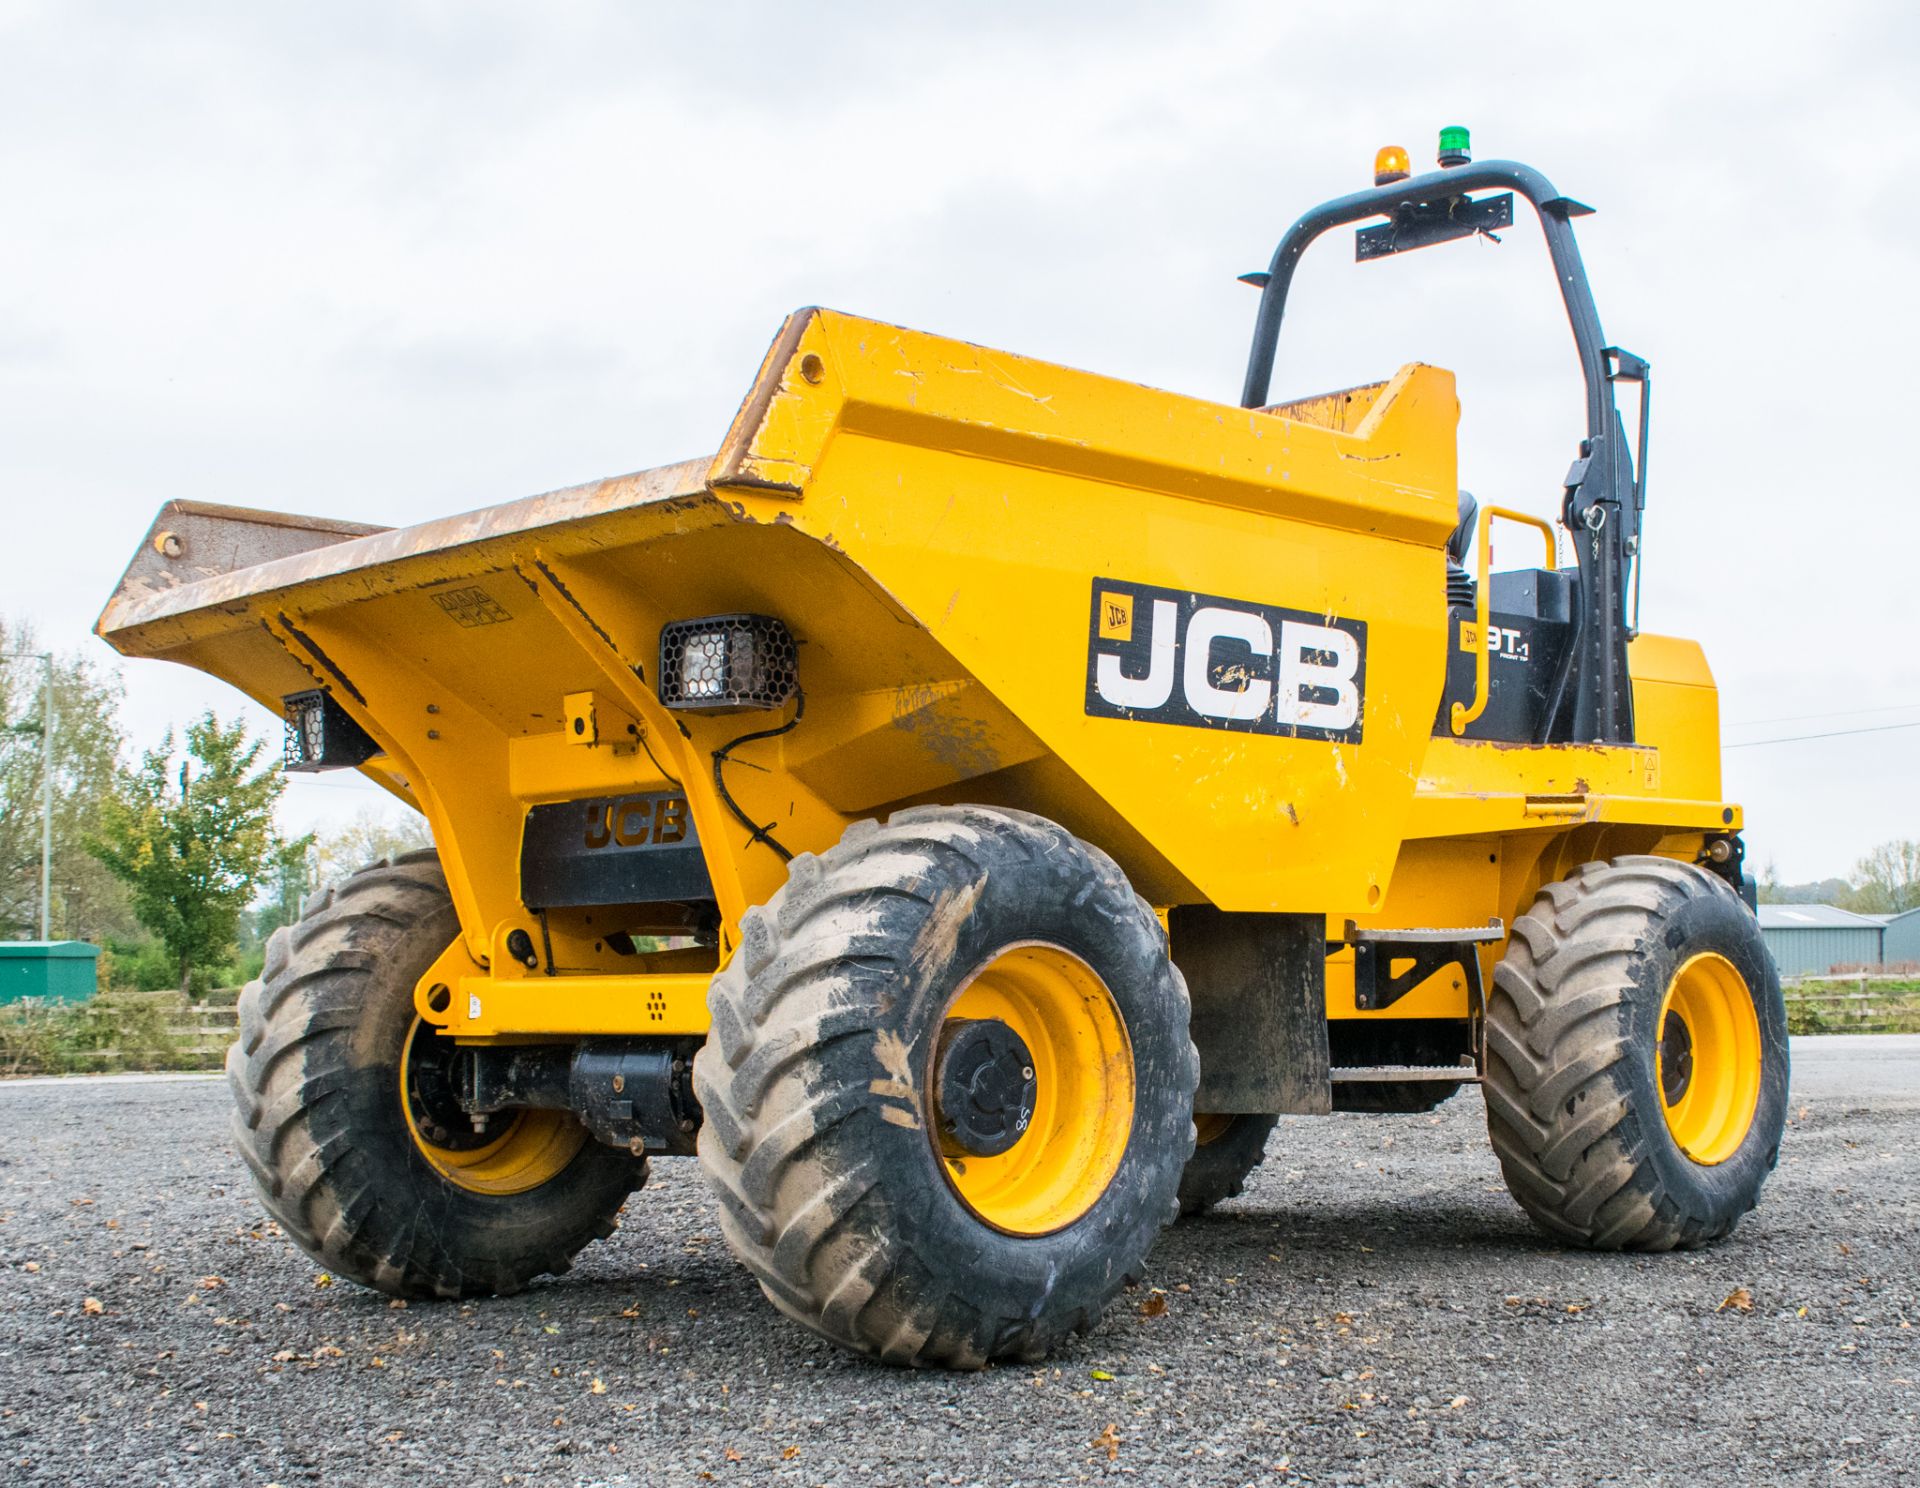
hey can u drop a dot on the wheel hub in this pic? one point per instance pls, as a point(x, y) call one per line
point(984, 1087)
point(1676, 1058)
point(431, 1102)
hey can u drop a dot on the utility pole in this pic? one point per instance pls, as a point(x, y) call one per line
point(45, 658)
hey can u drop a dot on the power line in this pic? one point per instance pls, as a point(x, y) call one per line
point(1830, 713)
point(1883, 728)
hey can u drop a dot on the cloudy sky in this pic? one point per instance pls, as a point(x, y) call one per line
point(391, 260)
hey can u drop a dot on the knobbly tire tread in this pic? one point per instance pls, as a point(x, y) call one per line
point(1573, 1106)
point(1218, 1170)
point(829, 1191)
point(314, 1075)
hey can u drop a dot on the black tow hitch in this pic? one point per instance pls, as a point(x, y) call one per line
point(632, 1093)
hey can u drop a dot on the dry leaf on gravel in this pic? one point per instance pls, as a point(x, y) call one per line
point(1100, 1374)
point(1155, 1305)
point(1739, 1299)
point(787, 1454)
point(93, 1307)
point(1108, 1441)
point(733, 1454)
point(598, 1387)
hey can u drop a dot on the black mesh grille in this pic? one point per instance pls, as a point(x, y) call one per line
point(727, 662)
point(320, 736)
point(302, 713)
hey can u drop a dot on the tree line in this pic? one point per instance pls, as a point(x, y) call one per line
point(171, 857)
point(1885, 881)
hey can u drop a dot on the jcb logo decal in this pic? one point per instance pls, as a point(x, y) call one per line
point(1166, 656)
point(636, 821)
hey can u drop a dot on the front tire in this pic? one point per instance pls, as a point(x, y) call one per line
point(369, 1169)
point(887, 1203)
point(1636, 1079)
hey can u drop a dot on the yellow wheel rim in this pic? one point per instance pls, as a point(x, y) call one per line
point(529, 1149)
point(1707, 1064)
point(1083, 1091)
point(1209, 1127)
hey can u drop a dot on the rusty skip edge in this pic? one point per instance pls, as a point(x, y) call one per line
point(261, 553)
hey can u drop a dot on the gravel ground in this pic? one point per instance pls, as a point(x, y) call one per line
point(1374, 1310)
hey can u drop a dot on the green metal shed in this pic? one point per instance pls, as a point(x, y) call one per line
point(1901, 943)
point(52, 970)
point(1812, 939)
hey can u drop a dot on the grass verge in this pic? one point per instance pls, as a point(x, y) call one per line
point(117, 1030)
point(1853, 1005)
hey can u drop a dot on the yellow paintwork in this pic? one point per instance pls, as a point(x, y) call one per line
point(1715, 1109)
point(1083, 1097)
point(931, 519)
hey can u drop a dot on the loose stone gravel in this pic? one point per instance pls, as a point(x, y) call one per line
point(1374, 1310)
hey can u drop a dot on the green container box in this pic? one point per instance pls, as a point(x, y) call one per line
point(51, 970)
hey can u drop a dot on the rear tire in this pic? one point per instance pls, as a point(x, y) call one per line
point(320, 1119)
point(1605, 1138)
point(822, 1127)
point(1226, 1150)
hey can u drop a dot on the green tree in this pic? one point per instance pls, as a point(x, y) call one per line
point(1887, 880)
point(193, 838)
point(89, 903)
point(369, 837)
point(288, 881)
point(312, 863)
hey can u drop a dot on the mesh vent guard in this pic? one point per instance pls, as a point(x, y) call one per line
point(727, 663)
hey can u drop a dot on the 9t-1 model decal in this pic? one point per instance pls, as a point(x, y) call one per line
point(1168, 656)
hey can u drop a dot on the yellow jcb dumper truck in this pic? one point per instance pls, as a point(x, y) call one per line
point(971, 806)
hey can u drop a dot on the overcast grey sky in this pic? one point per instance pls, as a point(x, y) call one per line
point(391, 260)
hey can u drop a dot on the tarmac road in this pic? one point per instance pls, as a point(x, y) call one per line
point(1374, 1310)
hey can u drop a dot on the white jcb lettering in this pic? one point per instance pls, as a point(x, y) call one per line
point(1317, 658)
point(1152, 690)
point(1212, 623)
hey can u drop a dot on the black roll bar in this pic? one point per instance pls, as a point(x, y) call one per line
point(1600, 509)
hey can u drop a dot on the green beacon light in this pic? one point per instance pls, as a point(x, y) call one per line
point(1455, 146)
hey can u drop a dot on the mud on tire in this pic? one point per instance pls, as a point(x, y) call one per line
point(814, 1081)
point(1572, 1084)
point(315, 1079)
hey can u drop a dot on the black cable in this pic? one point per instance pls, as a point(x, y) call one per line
point(668, 775)
point(722, 754)
point(547, 941)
